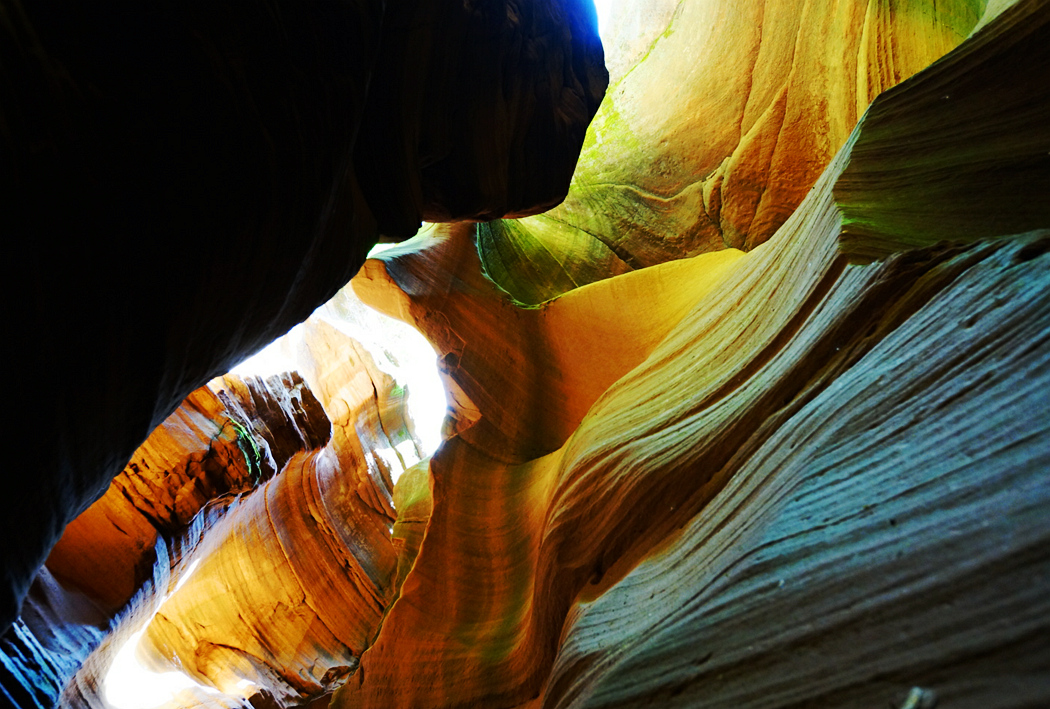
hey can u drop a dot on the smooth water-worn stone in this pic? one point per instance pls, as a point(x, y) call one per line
point(806, 472)
point(718, 130)
point(814, 452)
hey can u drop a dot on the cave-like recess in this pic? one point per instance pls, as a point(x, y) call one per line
point(741, 310)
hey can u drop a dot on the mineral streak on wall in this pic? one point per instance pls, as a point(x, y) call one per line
point(780, 439)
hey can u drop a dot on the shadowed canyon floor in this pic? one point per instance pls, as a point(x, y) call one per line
point(757, 417)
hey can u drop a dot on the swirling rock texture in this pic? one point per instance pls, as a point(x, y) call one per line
point(805, 470)
point(221, 442)
point(720, 118)
point(278, 580)
point(820, 486)
point(290, 586)
point(182, 185)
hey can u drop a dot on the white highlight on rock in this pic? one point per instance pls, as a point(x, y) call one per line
point(605, 9)
point(131, 685)
point(184, 577)
point(405, 454)
point(398, 350)
point(272, 359)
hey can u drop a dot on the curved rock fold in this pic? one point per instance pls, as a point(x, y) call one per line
point(756, 418)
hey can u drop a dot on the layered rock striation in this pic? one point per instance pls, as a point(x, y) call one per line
point(715, 128)
point(250, 539)
point(808, 471)
point(118, 554)
point(800, 489)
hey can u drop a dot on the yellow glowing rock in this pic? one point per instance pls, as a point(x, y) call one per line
point(281, 596)
point(414, 504)
point(972, 184)
point(747, 102)
point(718, 130)
point(293, 580)
point(274, 592)
point(529, 536)
point(771, 478)
point(507, 361)
point(787, 422)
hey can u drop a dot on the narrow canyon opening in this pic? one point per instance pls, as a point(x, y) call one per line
point(708, 367)
point(397, 350)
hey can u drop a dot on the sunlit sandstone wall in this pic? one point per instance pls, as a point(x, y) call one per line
point(279, 590)
point(256, 558)
point(292, 584)
point(218, 444)
point(808, 473)
point(717, 123)
point(824, 485)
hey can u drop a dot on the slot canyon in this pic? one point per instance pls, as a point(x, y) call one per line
point(523, 354)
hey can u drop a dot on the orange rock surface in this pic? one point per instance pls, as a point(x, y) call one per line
point(288, 587)
point(727, 455)
point(809, 471)
point(196, 455)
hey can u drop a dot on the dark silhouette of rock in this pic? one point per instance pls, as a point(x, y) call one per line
point(179, 187)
